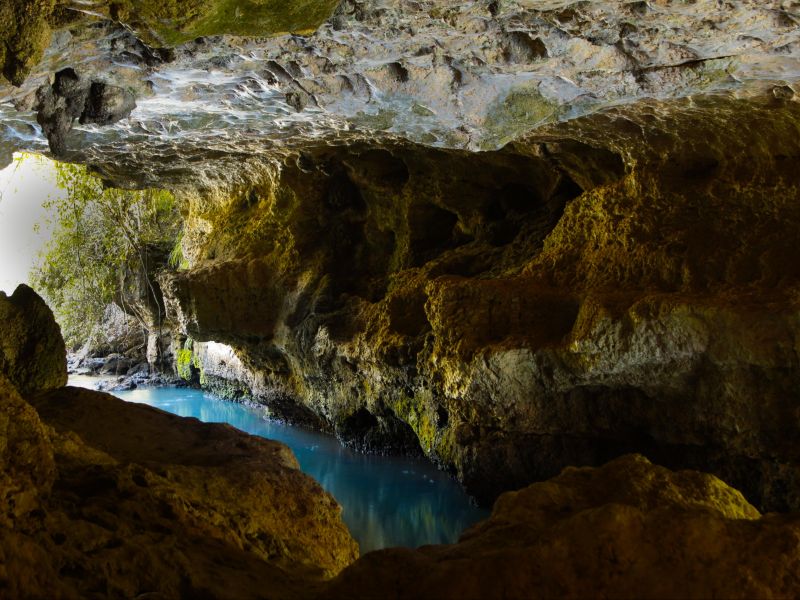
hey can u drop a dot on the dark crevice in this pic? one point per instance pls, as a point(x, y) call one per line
point(384, 434)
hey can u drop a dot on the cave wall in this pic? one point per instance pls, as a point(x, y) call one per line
point(621, 282)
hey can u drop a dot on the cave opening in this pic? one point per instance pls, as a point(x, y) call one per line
point(318, 256)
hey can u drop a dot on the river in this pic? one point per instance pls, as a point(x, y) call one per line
point(386, 500)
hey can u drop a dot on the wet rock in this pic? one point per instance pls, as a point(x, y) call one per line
point(115, 365)
point(629, 530)
point(107, 104)
point(449, 75)
point(70, 98)
point(297, 99)
point(32, 352)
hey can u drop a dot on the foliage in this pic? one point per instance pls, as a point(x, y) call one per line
point(176, 258)
point(184, 364)
point(97, 232)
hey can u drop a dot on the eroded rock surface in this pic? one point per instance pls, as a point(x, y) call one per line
point(621, 282)
point(511, 235)
point(626, 530)
point(447, 74)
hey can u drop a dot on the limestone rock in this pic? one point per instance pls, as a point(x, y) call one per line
point(32, 352)
point(99, 497)
point(626, 530)
point(70, 98)
point(445, 74)
point(24, 33)
point(27, 468)
point(610, 284)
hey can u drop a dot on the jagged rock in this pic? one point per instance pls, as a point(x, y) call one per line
point(71, 98)
point(447, 74)
point(107, 104)
point(611, 284)
point(32, 352)
point(626, 530)
point(26, 457)
point(242, 490)
point(26, 25)
point(24, 33)
point(93, 508)
point(616, 271)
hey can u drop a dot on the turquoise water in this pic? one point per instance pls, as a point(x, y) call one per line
point(387, 501)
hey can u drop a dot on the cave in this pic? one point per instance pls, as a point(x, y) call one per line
point(392, 299)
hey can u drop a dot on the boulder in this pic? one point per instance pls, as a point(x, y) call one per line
point(629, 529)
point(32, 352)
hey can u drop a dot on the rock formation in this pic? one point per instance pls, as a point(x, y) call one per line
point(70, 98)
point(31, 349)
point(102, 498)
point(514, 236)
point(626, 530)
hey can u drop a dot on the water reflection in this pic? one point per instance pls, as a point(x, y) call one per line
point(387, 501)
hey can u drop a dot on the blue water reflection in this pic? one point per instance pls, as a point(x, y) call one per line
point(387, 501)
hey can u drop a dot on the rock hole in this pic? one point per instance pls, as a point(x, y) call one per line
point(385, 434)
point(378, 168)
point(407, 314)
point(343, 194)
point(442, 417)
point(397, 72)
point(520, 47)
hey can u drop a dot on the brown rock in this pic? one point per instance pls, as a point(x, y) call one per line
point(628, 530)
point(142, 502)
point(244, 491)
point(32, 352)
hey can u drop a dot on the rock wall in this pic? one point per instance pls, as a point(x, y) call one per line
point(621, 282)
point(103, 498)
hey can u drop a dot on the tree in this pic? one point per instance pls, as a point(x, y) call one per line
point(99, 235)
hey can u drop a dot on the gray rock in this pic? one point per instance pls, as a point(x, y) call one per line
point(107, 104)
point(70, 98)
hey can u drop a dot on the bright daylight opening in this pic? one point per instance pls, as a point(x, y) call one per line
point(25, 185)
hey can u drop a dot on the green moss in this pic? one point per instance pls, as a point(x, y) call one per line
point(415, 411)
point(183, 363)
point(421, 111)
point(382, 120)
point(24, 36)
point(521, 111)
point(174, 22)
